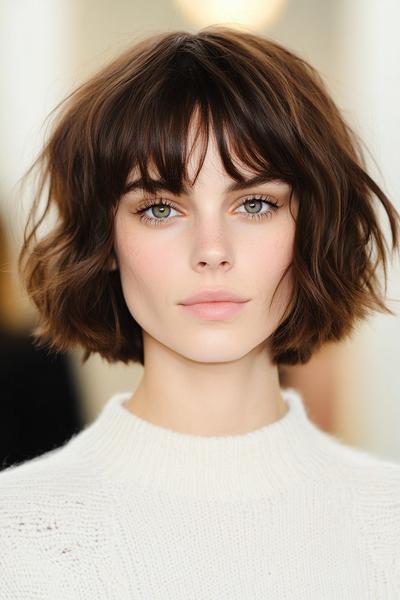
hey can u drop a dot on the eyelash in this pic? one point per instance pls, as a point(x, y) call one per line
point(164, 202)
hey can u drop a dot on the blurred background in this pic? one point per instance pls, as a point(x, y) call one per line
point(49, 47)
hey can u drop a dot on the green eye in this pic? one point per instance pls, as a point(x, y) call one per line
point(252, 201)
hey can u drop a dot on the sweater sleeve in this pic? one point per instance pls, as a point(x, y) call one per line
point(377, 508)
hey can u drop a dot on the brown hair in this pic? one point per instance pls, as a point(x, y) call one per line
point(271, 110)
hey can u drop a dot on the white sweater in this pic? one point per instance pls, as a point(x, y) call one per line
point(127, 510)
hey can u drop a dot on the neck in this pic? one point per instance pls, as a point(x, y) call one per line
point(207, 399)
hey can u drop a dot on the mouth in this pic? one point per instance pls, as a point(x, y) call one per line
point(219, 310)
point(214, 295)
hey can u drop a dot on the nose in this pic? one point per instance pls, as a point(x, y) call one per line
point(212, 264)
point(213, 253)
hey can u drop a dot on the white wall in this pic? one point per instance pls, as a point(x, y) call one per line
point(36, 55)
point(366, 84)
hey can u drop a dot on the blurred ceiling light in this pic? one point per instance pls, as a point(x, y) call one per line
point(249, 13)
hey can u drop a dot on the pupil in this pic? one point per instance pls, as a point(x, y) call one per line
point(161, 209)
point(253, 203)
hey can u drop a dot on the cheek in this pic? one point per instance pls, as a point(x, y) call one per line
point(143, 265)
point(273, 253)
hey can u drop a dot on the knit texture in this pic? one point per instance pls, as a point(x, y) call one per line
point(129, 510)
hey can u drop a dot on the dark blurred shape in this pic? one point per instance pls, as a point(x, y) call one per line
point(40, 407)
point(39, 400)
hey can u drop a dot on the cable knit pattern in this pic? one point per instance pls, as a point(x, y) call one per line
point(128, 510)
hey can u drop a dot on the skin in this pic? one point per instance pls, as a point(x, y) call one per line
point(205, 377)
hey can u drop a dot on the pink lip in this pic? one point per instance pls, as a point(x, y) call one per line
point(216, 295)
point(214, 310)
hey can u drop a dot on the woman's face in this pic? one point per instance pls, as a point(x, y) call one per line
point(207, 240)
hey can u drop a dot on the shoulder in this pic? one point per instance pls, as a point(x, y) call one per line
point(369, 478)
point(48, 495)
point(54, 515)
point(55, 473)
point(361, 470)
point(36, 473)
point(370, 485)
point(374, 483)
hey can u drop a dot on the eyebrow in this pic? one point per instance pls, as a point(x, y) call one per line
point(160, 184)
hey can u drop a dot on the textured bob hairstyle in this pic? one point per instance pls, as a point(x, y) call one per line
point(271, 112)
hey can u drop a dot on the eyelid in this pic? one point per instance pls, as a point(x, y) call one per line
point(151, 200)
point(260, 196)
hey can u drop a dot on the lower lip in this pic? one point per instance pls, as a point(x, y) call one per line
point(214, 310)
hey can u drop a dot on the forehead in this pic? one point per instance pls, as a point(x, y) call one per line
point(195, 159)
point(212, 163)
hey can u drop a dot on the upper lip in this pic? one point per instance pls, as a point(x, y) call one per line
point(210, 295)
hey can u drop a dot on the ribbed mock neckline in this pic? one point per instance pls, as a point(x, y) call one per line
point(267, 461)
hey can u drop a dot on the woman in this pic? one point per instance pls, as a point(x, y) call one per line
point(215, 221)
